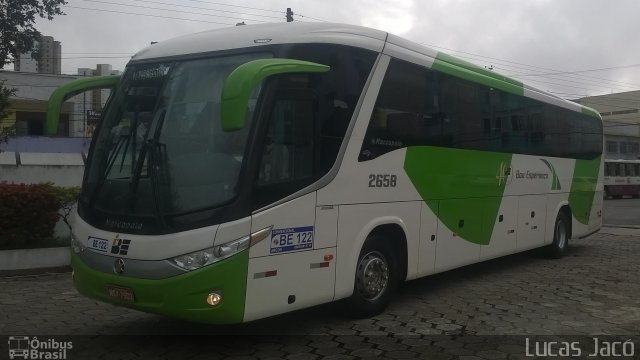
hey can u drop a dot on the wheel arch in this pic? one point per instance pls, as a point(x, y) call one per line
point(398, 240)
point(562, 206)
point(384, 226)
point(566, 211)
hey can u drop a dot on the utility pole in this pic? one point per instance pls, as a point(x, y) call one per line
point(289, 15)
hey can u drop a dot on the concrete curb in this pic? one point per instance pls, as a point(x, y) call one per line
point(621, 231)
point(621, 226)
point(35, 272)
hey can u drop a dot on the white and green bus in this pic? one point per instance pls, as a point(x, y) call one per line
point(250, 171)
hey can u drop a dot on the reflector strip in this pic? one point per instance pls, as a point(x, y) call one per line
point(319, 265)
point(265, 274)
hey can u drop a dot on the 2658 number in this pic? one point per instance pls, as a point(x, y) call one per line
point(382, 180)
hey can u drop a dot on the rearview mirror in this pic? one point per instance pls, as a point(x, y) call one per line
point(241, 82)
point(64, 92)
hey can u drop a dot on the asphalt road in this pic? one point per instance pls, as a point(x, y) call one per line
point(619, 212)
point(483, 311)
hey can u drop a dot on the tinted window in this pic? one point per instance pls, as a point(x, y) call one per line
point(417, 106)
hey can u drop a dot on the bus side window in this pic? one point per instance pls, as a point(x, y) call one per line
point(288, 159)
point(405, 111)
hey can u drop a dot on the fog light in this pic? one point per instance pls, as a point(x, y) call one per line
point(214, 299)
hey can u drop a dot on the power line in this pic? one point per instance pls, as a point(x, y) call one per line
point(610, 105)
point(590, 82)
point(581, 78)
point(172, 10)
point(148, 15)
point(583, 71)
point(312, 18)
point(201, 8)
point(530, 66)
point(95, 53)
point(82, 57)
point(238, 6)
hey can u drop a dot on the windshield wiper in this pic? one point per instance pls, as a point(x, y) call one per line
point(157, 122)
point(153, 148)
point(157, 160)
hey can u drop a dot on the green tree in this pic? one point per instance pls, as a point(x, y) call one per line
point(18, 35)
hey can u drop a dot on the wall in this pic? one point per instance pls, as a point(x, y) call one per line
point(32, 168)
point(45, 144)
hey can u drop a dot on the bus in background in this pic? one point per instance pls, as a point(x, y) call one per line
point(245, 172)
point(621, 178)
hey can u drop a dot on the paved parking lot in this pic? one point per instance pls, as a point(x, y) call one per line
point(621, 212)
point(459, 314)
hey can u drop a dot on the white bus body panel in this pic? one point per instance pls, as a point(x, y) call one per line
point(428, 241)
point(503, 238)
point(531, 221)
point(268, 296)
point(453, 251)
point(355, 224)
point(276, 273)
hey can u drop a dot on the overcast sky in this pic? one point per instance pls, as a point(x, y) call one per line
point(555, 45)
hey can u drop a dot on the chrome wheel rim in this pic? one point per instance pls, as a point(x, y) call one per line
point(561, 234)
point(372, 275)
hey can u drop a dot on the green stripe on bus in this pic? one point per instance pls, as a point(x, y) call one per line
point(459, 184)
point(183, 296)
point(583, 186)
point(468, 71)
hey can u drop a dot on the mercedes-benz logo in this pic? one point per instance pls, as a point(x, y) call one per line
point(118, 267)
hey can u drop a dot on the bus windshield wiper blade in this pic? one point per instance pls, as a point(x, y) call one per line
point(137, 172)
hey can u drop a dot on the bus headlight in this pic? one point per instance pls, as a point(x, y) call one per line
point(76, 245)
point(198, 259)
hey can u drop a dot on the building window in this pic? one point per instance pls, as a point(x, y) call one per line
point(612, 147)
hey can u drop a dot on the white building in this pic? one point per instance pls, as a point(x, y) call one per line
point(91, 103)
point(621, 115)
point(28, 106)
point(48, 62)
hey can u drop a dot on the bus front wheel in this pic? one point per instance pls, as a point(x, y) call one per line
point(558, 247)
point(376, 278)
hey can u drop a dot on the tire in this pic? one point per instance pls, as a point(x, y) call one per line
point(375, 280)
point(558, 247)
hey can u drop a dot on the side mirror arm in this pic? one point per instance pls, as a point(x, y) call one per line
point(64, 92)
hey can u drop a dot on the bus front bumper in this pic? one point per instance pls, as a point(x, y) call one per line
point(183, 296)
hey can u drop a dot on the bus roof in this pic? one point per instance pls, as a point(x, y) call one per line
point(237, 37)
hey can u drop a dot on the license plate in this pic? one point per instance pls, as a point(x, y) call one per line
point(97, 244)
point(120, 293)
point(291, 239)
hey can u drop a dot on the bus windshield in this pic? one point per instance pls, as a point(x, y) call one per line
point(161, 149)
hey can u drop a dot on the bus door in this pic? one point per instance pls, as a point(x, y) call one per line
point(294, 267)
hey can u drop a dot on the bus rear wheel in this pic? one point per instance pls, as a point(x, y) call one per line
point(376, 278)
point(558, 247)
